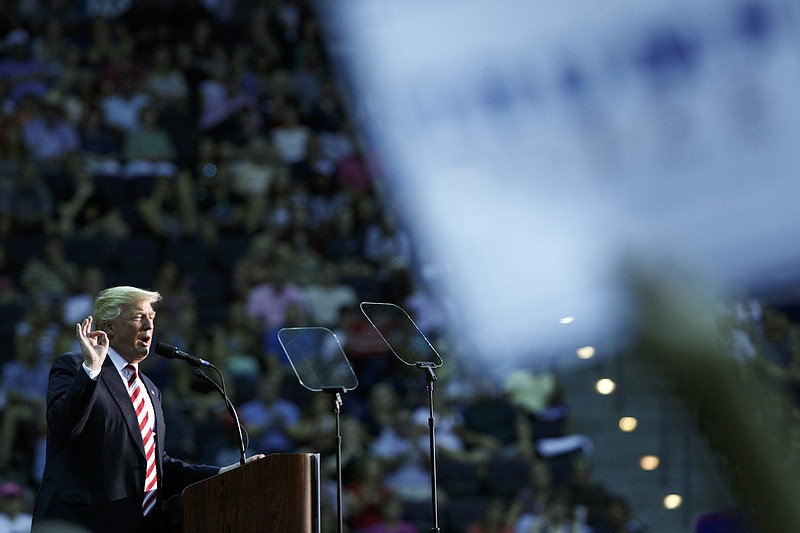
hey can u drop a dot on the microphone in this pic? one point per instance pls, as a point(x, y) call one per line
point(172, 352)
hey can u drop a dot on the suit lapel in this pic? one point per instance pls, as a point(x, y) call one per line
point(111, 378)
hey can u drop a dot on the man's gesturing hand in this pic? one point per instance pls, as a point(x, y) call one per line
point(94, 344)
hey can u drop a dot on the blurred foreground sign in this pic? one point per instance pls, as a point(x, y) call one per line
point(533, 148)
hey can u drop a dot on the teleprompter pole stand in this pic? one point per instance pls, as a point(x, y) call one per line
point(337, 408)
point(430, 377)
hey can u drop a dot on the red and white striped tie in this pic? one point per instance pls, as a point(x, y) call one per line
point(151, 478)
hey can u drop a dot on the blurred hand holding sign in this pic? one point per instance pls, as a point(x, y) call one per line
point(534, 148)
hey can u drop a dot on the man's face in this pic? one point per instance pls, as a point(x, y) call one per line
point(131, 333)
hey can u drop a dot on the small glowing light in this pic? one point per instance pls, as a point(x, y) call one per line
point(672, 501)
point(605, 386)
point(628, 423)
point(567, 320)
point(587, 352)
point(209, 170)
point(649, 462)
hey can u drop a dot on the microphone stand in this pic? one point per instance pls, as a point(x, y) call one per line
point(430, 377)
point(337, 406)
point(228, 404)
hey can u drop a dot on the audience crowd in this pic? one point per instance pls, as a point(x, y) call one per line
point(202, 149)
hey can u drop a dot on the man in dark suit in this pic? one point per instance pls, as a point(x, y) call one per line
point(96, 472)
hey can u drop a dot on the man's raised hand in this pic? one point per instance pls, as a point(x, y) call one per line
point(94, 344)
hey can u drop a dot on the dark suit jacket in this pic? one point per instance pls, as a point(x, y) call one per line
point(95, 464)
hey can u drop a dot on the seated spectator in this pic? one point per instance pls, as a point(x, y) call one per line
point(335, 146)
point(316, 430)
point(386, 245)
point(302, 260)
point(78, 304)
point(382, 400)
point(238, 339)
point(388, 249)
point(543, 416)
point(328, 112)
point(270, 419)
point(223, 210)
point(283, 198)
point(87, 213)
point(404, 457)
point(226, 110)
point(270, 301)
point(41, 317)
point(24, 74)
point(26, 206)
point(329, 296)
point(291, 223)
point(491, 414)
point(179, 121)
point(343, 243)
point(251, 269)
point(315, 170)
point(100, 145)
point(175, 290)
point(356, 441)
point(169, 212)
point(364, 492)
point(454, 441)
point(75, 85)
point(307, 66)
point(24, 387)
point(148, 150)
point(185, 328)
point(51, 276)
point(290, 137)
point(353, 174)
point(50, 138)
point(207, 156)
point(122, 104)
point(253, 172)
point(165, 81)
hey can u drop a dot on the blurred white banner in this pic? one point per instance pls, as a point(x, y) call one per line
point(532, 148)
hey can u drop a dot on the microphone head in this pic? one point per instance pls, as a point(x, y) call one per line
point(166, 350)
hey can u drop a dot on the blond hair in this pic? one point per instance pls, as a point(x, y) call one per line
point(109, 302)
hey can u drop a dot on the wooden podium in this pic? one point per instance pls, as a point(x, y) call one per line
point(279, 493)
